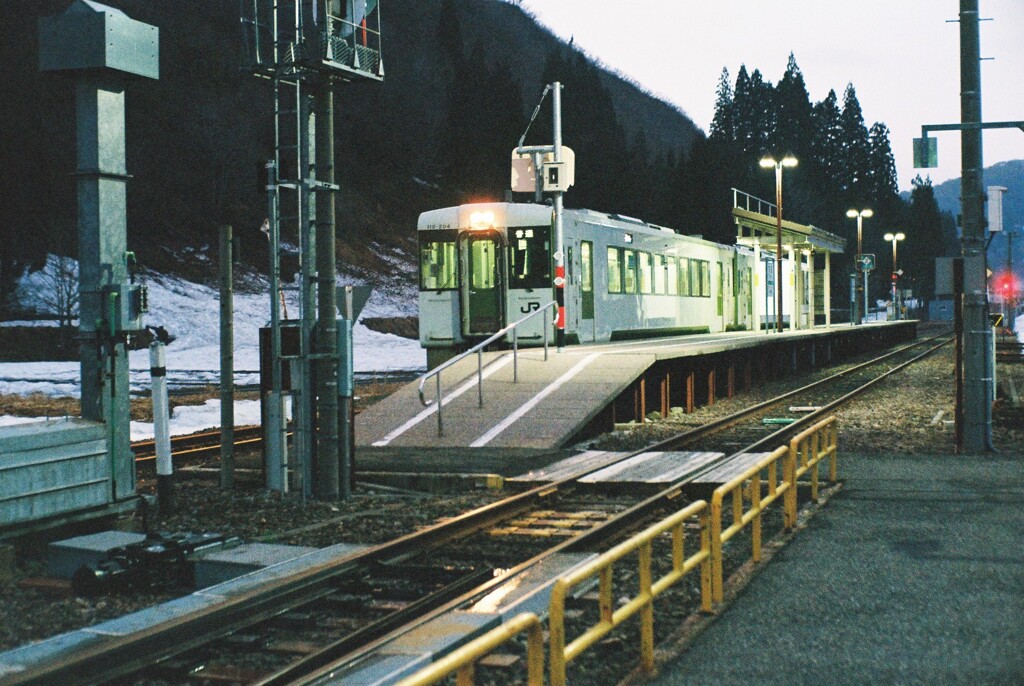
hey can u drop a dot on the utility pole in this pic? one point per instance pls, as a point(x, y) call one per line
point(556, 104)
point(977, 408)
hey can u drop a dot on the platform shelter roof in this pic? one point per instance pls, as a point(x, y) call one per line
point(756, 223)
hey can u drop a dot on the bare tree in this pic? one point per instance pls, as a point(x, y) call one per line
point(60, 288)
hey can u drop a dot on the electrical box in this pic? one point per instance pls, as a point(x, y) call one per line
point(91, 36)
point(126, 304)
point(995, 208)
point(554, 177)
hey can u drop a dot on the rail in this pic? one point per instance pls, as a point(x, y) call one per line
point(479, 350)
point(809, 448)
point(462, 662)
point(742, 200)
point(602, 566)
point(740, 493)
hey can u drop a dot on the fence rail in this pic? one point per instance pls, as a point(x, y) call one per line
point(602, 566)
point(746, 488)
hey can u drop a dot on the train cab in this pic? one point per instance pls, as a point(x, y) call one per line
point(482, 267)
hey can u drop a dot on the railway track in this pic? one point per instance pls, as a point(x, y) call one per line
point(196, 446)
point(304, 627)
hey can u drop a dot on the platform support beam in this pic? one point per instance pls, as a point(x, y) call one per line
point(690, 383)
point(711, 384)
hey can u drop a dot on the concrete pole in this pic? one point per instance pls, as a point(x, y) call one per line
point(326, 341)
point(161, 429)
point(556, 103)
point(778, 246)
point(977, 408)
point(227, 361)
point(102, 244)
point(274, 432)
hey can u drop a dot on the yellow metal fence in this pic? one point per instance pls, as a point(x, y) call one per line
point(747, 504)
point(804, 453)
point(809, 448)
point(562, 653)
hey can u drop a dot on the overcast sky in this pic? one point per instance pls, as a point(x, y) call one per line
point(901, 55)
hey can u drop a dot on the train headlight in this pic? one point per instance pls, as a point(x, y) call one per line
point(481, 220)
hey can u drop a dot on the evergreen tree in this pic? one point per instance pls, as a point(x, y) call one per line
point(826, 142)
point(793, 124)
point(854, 160)
point(881, 165)
point(925, 241)
point(723, 126)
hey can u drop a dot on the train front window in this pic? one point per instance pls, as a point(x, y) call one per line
point(529, 257)
point(482, 269)
point(438, 263)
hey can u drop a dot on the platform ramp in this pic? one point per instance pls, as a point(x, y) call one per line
point(552, 401)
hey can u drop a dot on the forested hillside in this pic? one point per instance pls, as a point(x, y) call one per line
point(461, 78)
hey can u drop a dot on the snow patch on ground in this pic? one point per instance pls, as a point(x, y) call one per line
point(190, 313)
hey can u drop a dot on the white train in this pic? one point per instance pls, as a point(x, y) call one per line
point(484, 266)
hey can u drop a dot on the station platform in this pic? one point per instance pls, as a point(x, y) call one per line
point(912, 574)
point(586, 389)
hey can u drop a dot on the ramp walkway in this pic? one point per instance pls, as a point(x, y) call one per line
point(558, 395)
point(554, 400)
point(913, 574)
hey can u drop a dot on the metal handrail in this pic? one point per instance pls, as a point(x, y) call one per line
point(478, 349)
point(746, 203)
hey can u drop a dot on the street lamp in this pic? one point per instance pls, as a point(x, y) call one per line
point(767, 162)
point(861, 215)
point(894, 237)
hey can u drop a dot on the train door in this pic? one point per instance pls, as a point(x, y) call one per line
point(721, 294)
point(587, 288)
point(482, 283)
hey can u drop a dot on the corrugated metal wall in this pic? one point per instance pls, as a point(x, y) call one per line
point(51, 468)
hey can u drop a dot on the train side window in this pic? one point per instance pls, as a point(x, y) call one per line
point(529, 257)
point(695, 266)
point(645, 272)
point(705, 279)
point(629, 271)
point(684, 276)
point(586, 267)
point(614, 270)
point(672, 276)
point(438, 265)
point(659, 274)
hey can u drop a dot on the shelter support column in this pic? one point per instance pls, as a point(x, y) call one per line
point(810, 290)
point(826, 301)
point(755, 310)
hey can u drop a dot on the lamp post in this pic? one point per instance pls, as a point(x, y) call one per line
point(861, 215)
point(768, 162)
point(894, 237)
